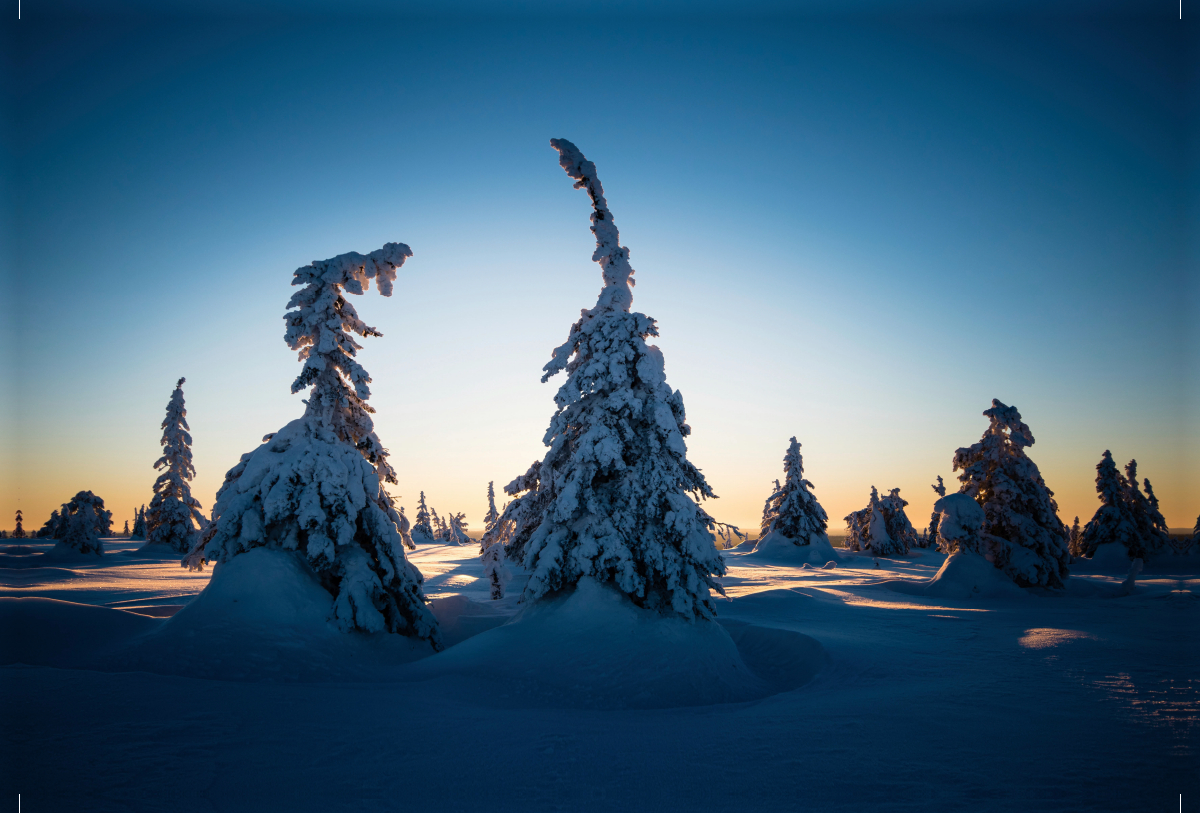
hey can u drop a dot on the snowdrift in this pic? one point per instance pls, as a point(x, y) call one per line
point(775, 547)
point(593, 648)
point(963, 576)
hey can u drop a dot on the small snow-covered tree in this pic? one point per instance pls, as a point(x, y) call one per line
point(125, 533)
point(85, 523)
point(441, 531)
point(521, 516)
point(457, 534)
point(931, 536)
point(174, 516)
point(139, 524)
point(1113, 520)
point(960, 525)
point(1075, 539)
point(317, 486)
point(1020, 510)
point(882, 528)
point(422, 532)
point(768, 513)
point(1150, 524)
point(19, 531)
point(54, 526)
point(495, 569)
point(793, 511)
point(492, 514)
point(1157, 520)
point(619, 487)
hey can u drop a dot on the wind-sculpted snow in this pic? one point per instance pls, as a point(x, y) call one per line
point(174, 516)
point(615, 498)
point(1022, 531)
point(317, 485)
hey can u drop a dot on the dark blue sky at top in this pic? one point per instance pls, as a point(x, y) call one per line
point(974, 204)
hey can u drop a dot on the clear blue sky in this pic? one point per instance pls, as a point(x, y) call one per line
point(852, 229)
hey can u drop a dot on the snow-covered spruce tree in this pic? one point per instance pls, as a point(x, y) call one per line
point(125, 533)
point(793, 511)
point(53, 526)
point(85, 523)
point(492, 514)
point(1154, 538)
point(1029, 540)
point(457, 534)
point(1113, 520)
point(19, 531)
point(931, 536)
point(139, 524)
point(616, 478)
point(960, 525)
point(1157, 520)
point(495, 569)
point(317, 485)
point(174, 517)
point(1074, 539)
point(441, 531)
point(422, 532)
point(521, 516)
point(882, 528)
point(768, 513)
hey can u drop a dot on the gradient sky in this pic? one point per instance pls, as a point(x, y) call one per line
point(853, 229)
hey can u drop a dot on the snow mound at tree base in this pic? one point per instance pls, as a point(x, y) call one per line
point(154, 550)
point(591, 647)
point(776, 547)
point(1110, 558)
point(264, 617)
point(968, 575)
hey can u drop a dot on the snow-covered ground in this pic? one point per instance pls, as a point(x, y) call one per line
point(845, 688)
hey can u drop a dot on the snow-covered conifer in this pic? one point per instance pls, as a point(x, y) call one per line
point(53, 527)
point(441, 531)
point(1020, 511)
point(1113, 520)
point(139, 524)
point(1150, 524)
point(960, 525)
point(793, 511)
point(19, 531)
point(931, 536)
point(174, 516)
point(1075, 539)
point(495, 569)
point(318, 484)
point(85, 523)
point(521, 516)
point(422, 532)
point(616, 477)
point(882, 528)
point(457, 532)
point(1157, 520)
point(125, 533)
point(492, 514)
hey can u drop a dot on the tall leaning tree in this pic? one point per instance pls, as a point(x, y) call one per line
point(1024, 536)
point(618, 498)
point(174, 518)
point(317, 486)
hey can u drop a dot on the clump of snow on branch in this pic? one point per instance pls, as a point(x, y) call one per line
point(616, 497)
point(882, 528)
point(174, 517)
point(1027, 540)
point(82, 523)
point(318, 484)
point(792, 510)
point(960, 525)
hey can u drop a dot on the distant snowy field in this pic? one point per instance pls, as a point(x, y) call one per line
point(849, 690)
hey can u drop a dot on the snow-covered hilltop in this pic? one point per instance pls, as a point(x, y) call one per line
point(317, 486)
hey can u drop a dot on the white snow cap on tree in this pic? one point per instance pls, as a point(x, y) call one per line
point(1028, 540)
point(317, 485)
point(457, 530)
point(960, 524)
point(793, 511)
point(83, 522)
point(882, 528)
point(614, 489)
point(173, 509)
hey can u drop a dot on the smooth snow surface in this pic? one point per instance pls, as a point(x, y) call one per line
point(1075, 700)
point(776, 547)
